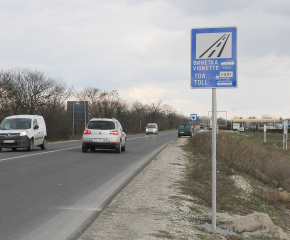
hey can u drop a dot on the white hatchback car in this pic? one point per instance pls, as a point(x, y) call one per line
point(152, 128)
point(104, 133)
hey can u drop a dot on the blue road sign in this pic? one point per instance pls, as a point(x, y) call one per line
point(214, 57)
point(193, 117)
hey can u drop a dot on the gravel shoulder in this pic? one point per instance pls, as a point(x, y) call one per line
point(151, 205)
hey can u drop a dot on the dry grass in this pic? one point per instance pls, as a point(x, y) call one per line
point(266, 169)
point(273, 196)
point(264, 164)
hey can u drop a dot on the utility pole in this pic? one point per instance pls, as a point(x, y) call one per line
point(274, 118)
point(233, 110)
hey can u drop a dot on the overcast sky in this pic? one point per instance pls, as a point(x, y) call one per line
point(142, 49)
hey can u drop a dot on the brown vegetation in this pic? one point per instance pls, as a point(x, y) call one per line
point(264, 169)
point(23, 91)
point(259, 162)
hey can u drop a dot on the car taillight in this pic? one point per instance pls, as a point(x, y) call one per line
point(191, 131)
point(87, 132)
point(115, 132)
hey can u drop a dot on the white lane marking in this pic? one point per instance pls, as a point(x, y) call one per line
point(79, 208)
point(34, 154)
point(150, 136)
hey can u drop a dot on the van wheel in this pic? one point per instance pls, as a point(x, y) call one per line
point(31, 145)
point(43, 146)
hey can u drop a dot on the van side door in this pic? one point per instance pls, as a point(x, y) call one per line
point(36, 133)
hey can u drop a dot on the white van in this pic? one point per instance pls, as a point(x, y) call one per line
point(23, 131)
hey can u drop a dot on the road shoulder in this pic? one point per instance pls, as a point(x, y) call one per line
point(151, 205)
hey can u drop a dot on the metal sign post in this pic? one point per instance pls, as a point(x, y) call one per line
point(85, 106)
point(73, 116)
point(77, 111)
point(140, 125)
point(265, 133)
point(285, 135)
point(213, 155)
point(214, 65)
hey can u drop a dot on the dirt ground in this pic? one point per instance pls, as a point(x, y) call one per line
point(152, 207)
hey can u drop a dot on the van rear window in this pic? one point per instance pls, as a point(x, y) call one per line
point(184, 125)
point(101, 125)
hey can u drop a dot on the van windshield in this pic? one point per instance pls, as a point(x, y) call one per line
point(151, 126)
point(16, 123)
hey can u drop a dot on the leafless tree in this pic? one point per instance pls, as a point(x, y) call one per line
point(24, 91)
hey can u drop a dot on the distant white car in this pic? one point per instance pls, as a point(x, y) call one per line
point(152, 128)
point(228, 63)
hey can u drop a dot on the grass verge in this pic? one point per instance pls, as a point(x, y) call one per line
point(263, 169)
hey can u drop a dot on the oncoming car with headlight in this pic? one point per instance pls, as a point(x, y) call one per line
point(23, 131)
point(104, 133)
point(152, 128)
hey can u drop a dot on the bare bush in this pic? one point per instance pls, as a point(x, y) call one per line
point(270, 167)
point(273, 196)
point(23, 91)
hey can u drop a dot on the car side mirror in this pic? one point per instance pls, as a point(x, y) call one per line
point(124, 129)
point(35, 126)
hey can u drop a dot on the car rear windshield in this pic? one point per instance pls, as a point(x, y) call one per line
point(102, 125)
point(16, 123)
point(184, 125)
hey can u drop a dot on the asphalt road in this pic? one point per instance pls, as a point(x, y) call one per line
point(56, 193)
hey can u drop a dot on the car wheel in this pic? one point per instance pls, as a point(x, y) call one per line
point(92, 148)
point(31, 145)
point(0, 149)
point(13, 149)
point(178, 135)
point(119, 148)
point(85, 149)
point(124, 147)
point(44, 144)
